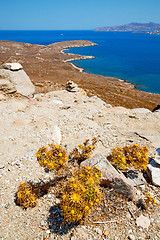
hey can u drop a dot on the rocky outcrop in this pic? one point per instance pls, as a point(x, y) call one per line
point(111, 177)
point(14, 79)
point(153, 171)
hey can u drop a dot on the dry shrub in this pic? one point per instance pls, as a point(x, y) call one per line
point(53, 158)
point(26, 196)
point(80, 193)
point(130, 156)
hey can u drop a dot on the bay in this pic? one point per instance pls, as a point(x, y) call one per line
point(134, 57)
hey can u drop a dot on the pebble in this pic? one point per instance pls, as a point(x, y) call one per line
point(143, 221)
point(99, 231)
point(131, 237)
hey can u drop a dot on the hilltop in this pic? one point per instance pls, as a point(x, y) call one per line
point(132, 27)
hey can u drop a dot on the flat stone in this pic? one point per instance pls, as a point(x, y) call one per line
point(12, 66)
point(153, 172)
point(140, 110)
point(143, 221)
point(110, 176)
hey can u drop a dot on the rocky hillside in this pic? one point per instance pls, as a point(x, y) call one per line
point(70, 117)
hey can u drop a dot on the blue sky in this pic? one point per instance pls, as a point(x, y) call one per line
point(74, 14)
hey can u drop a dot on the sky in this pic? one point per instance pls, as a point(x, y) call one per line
point(75, 14)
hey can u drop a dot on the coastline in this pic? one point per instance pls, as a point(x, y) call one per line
point(49, 68)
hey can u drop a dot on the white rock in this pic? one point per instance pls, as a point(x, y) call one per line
point(131, 237)
point(54, 134)
point(153, 171)
point(12, 81)
point(57, 102)
point(143, 221)
point(140, 110)
point(22, 83)
point(12, 66)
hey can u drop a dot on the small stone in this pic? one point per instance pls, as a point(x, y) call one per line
point(48, 231)
point(131, 237)
point(72, 87)
point(42, 223)
point(106, 233)
point(143, 221)
point(98, 230)
point(56, 102)
point(7, 205)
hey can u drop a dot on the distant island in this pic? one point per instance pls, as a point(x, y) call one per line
point(150, 28)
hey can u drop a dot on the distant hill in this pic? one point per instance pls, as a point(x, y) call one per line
point(132, 27)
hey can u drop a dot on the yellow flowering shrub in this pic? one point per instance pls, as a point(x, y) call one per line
point(130, 156)
point(53, 158)
point(80, 193)
point(26, 196)
point(149, 199)
point(83, 151)
point(79, 187)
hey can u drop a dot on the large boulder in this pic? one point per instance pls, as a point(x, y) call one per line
point(153, 171)
point(13, 78)
point(110, 176)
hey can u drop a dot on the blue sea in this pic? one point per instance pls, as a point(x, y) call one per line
point(134, 57)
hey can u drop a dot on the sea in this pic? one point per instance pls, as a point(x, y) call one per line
point(134, 57)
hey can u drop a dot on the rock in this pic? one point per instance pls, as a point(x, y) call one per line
point(136, 178)
point(2, 97)
point(56, 102)
point(153, 172)
point(143, 221)
point(12, 66)
point(22, 83)
point(110, 176)
point(106, 232)
point(6, 86)
point(54, 134)
point(98, 230)
point(12, 81)
point(157, 156)
point(131, 237)
point(140, 110)
point(72, 87)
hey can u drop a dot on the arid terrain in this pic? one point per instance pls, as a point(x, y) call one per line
point(47, 69)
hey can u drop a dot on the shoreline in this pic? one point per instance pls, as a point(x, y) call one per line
point(49, 68)
point(83, 57)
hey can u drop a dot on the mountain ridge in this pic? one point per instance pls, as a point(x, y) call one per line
point(136, 27)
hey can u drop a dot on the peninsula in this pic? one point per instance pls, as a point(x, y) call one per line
point(49, 69)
